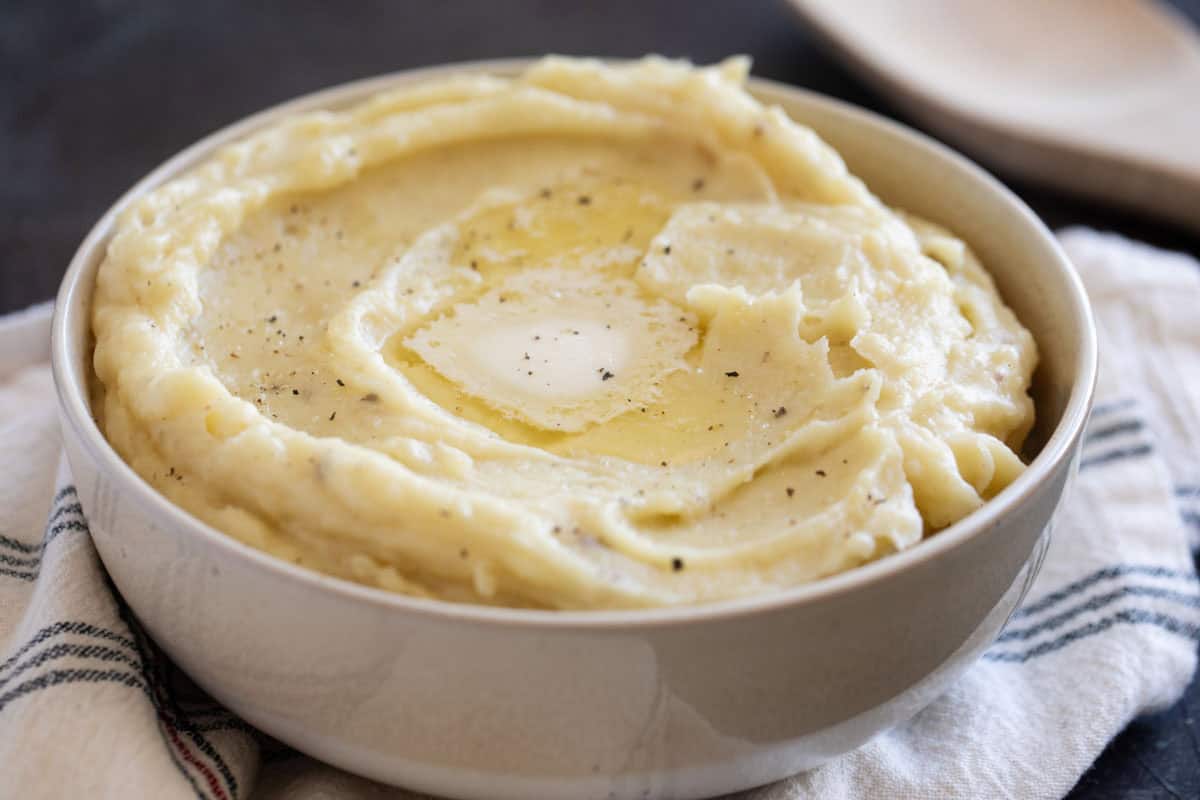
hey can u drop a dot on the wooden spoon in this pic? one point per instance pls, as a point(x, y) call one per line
point(1101, 97)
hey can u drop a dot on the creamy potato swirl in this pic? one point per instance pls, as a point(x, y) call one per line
point(592, 337)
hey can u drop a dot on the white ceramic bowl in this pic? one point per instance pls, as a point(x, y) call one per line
point(491, 703)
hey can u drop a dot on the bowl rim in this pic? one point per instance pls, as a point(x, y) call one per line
point(75, 407)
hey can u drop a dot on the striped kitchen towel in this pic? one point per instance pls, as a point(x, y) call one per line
point(90, 708)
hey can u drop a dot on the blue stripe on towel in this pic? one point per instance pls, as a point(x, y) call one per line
point(1120, 454)
point(98, 652)
point(20, 547)
point(1104, 574)
point(66, 627)
point(1128, 426)
point(1103, 427)
point(1106, 408)
point(66, 676)
point(1187, 599)
point(63, 493)
point(26, 565)
point(30, 562)
point(143, 677)
point(1135, 616)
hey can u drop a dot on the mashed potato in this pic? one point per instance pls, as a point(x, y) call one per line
point(596, 336)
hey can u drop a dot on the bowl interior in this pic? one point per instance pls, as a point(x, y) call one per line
point(906, 169)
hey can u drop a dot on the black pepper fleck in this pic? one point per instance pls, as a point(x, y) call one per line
point(677, 564)
point(606, 375)
point(733, 373)
point(779, 412)
point(790, 491)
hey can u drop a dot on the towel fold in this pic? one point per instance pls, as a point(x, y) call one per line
point(90, 708)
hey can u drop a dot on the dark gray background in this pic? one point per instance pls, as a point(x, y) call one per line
point(94, 94)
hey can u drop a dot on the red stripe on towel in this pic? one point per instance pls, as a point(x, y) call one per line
point(181, 747)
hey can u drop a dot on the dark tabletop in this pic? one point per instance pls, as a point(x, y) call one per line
point(94, 94)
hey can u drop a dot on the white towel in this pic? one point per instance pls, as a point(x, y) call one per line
point(90, 708)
